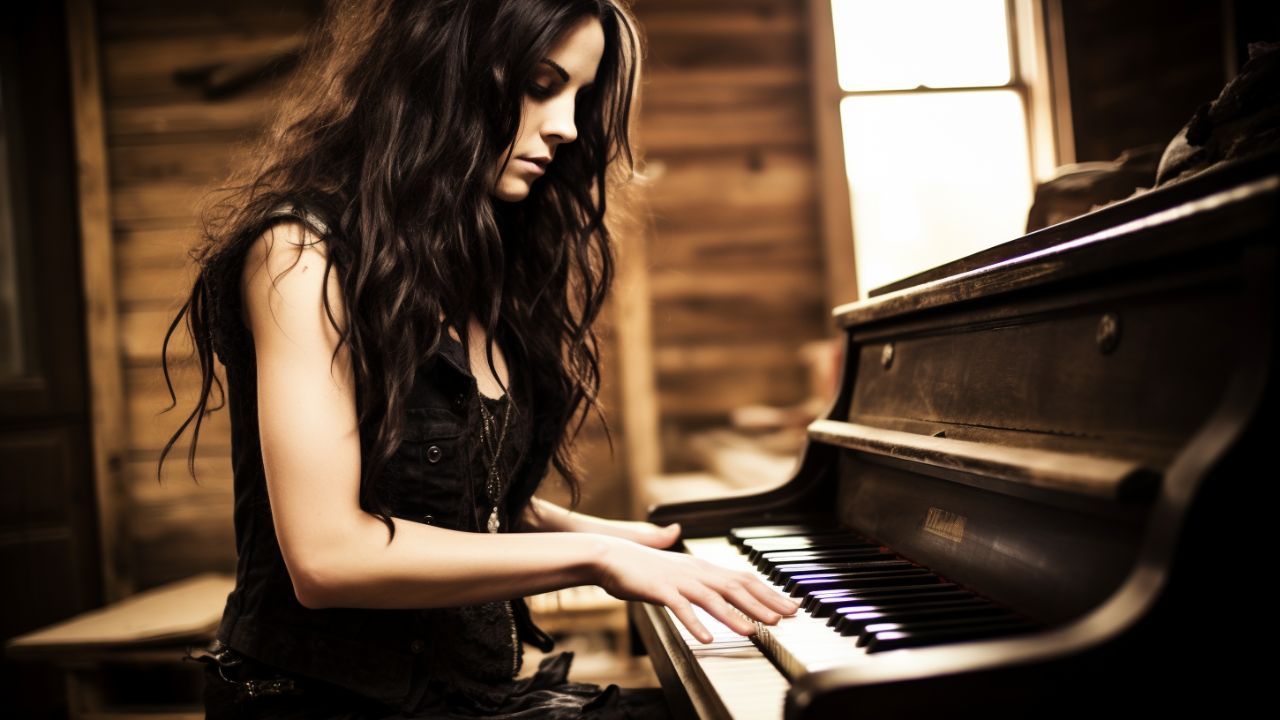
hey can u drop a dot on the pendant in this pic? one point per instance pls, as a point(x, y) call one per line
point(493, 520)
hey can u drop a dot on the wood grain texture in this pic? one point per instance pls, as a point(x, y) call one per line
point(736, 256)
point(168, 146)
point(101, 315)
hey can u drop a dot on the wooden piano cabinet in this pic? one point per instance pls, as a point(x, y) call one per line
point(1067, 437)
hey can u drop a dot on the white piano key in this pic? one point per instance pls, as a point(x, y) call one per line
point(747, 683)
point(800, 643)
point(744, 672)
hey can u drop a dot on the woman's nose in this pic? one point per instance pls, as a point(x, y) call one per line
point(559, 124)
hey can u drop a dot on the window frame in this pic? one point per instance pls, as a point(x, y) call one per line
point(1037, 75)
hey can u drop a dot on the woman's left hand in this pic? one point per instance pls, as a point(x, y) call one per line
point(645, 533)
point(553, 518)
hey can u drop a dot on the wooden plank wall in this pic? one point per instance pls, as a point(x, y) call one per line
point(166, 146)
point(735, 256)
point(733, 249)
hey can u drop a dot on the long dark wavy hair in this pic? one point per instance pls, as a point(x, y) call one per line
point(389, 132)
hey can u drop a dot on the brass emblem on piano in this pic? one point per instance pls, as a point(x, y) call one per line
point(946, 525)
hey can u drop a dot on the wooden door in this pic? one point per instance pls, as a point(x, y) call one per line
point(49, 562)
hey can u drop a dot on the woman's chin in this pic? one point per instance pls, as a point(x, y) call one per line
point(512, 191)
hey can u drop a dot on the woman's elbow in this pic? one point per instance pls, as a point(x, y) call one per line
point(313, 583)
point(327, 567)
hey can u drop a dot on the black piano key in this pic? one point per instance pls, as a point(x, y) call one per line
point(766, 568)
point(855, 623)
point(738, 535)
point(781, 573)
point(898, 640)
point(807, 586)
point(827, 600)
point(852, 620)
point(834, 608)
point(813, 597)
point(796, 581)
point(945, 624)
point(810, 533)
point(810, 545)
point(768, 561)
point(805, 539)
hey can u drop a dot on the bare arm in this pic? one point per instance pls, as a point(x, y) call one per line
point(338, 555)
point(546, 516)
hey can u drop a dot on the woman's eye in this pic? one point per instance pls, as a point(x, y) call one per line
point(539, 91)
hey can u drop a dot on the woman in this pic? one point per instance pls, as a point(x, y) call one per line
point(402, 287)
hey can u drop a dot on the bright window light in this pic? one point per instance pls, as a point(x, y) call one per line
point(933, 177)
point(904, 44)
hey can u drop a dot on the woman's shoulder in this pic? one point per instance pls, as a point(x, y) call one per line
point(307, 217)
point(287, 222)
point(282, 242)
point(288, 234)
point(279, 275)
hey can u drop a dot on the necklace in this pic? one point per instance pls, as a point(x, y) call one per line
point(493, 482)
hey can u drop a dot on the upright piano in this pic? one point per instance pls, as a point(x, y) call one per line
point(1043, 486)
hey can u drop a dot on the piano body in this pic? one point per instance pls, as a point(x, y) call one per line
point(1068, 437)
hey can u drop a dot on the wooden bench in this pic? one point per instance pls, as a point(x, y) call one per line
point(155, 628)
point(151, 628)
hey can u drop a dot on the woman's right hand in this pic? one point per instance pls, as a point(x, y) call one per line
point(631, 571)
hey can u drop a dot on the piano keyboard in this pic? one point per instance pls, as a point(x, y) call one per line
point(859, 599)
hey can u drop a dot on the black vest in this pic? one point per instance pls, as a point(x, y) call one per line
point(393, 656)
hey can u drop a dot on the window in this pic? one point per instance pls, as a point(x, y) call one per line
point(935, 103)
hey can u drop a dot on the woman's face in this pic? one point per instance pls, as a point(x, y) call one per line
point(548, 108)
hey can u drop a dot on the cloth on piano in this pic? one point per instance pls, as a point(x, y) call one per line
point(238, 687)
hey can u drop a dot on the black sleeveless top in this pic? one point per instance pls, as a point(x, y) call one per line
point(400, 658)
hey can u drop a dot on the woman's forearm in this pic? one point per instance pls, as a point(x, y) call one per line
point(427, 566)
point(546, 516)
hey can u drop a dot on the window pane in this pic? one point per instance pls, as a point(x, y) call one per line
point(903, 44)
point(933, 177)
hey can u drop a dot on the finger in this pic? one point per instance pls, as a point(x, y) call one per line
point(720, 609)
point(771, 597)
point(661, 537)
point(684, 613)
point(747, 603)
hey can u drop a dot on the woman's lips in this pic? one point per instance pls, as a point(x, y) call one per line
point(530, 166)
